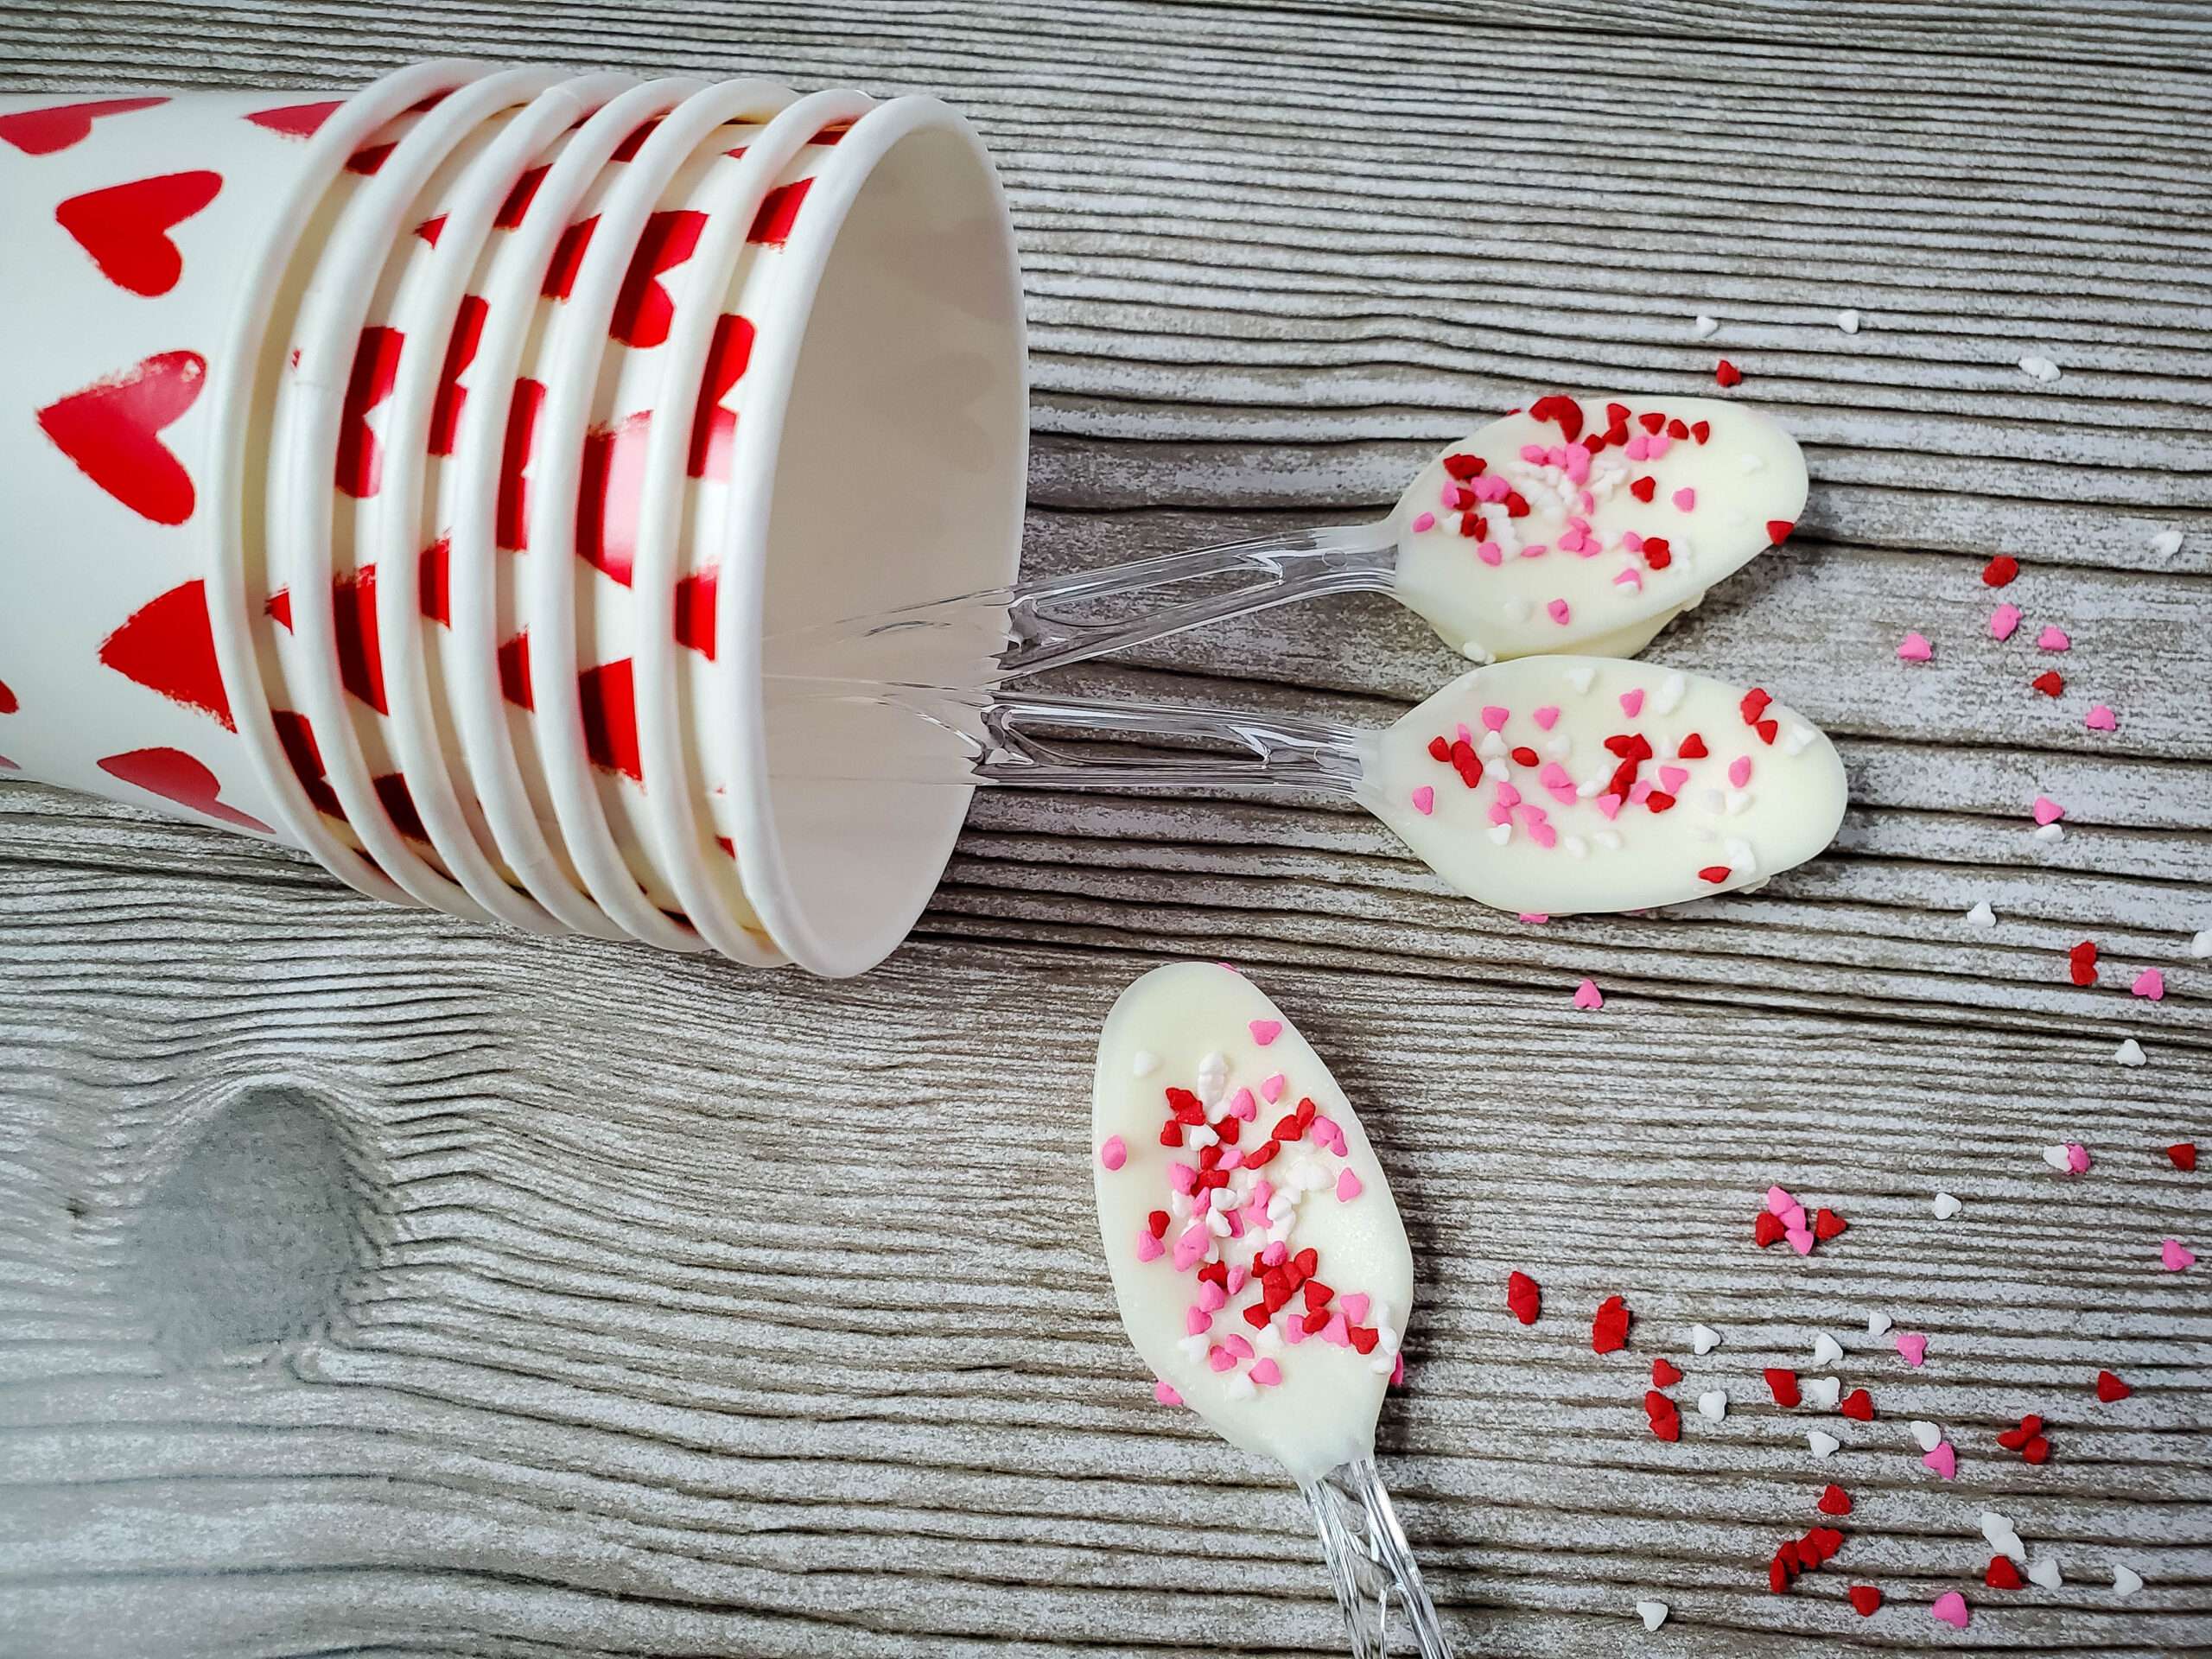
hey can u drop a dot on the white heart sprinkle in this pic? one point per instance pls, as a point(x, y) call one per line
point(1579, 678)
point(1826, 1351)
point(1713, 1403)
point(1669, 696)
point(1608, 839)
point(2126, 1581)
point(1518, 610)
point(1821, 1392)
point(1559, 745)
point(2046, 1574)
point(2039, 368)
point(1822, 1444)
point(1241, 1386)
point(1847, 321)
point(1501, 833)
point(1703, 1338)
point(1946, 1206)
point(1652, 1614)
point(2201, 946)
point(1492, 746)
point(2002, 1536)
point(1704, 326)
point(2130, 1052)
point(1879, 1325)
point(1981, 915)
point(1575, 846)
point(2051, 832)
point(1799, 741)
point(1927, 1435)
point(1748, 462)
point(1144, 1063)
point(1475, 651)
point(2166, 543)
point(2055, 1157)
point(1737, 800)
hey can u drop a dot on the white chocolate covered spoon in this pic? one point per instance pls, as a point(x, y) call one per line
point(1551, 785)
point(1258, 1260)
point(1576, 525)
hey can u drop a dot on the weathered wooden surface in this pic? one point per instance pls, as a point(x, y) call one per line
point(371, 1281)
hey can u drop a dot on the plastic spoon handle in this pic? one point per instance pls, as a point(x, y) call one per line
point(1369, 1563)
point(998, 731)
point(1032, 633)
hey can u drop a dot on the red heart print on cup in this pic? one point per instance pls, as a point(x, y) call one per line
point(175, 776)
point(125, 227)
point(41, 132)
point(296, 120)
point(167, 645)
point(111, 428)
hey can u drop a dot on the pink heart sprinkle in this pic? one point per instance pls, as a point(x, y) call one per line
point(1182, 1177)
point(1197, 1321)
point(1241, 1104)
point(2047, 810)
point(2053, 639)
point(1587, 996)
point(1632, 541)
point(2077, 1158)
point(1238, 1348)
point(1547, 716)
point(1425, 800)
point(1164, 1391)
point(1629, 579)
point(1739, 771)
point(1913, 1346)
point(1221, 1359)
point(1211, 1297)
point(1271, 1090)
point(1265, 1031)
point(2101, 719)
point(1951, 1608)
point(1558, 610)
point(1632, 702)
point(1660, 443)
point(1325, 1133)
point(1671, 778)
point(1639, 791)
point(1337, 1330)
point(2151, 983)
point(2003, 620)
point(1610, 805)
point(1508, 796)
point(1425, 521)
point(1355, 1306)
point(1494, 717)
point(1915, 649)
point(1686, 498)
point(1944, 1461)
point(1293, 1331)
point(1490, 553)
point(1794, 1216)
point(1348, 1186)
point(1533, 453)
point(1535, 549)
point(1542, 834)
point(1275, 1255)
point(1149, 1248)
point(1801, 1239)
point(1533, 918)
point(2174, 1256)
point(1115, 1152)
point(1191, 1247)
point(1237, 1276)
point(1778, 1201)
point(1500, 813)
point(1398, 1370)
point(1637, 446)
point(1266, 1374)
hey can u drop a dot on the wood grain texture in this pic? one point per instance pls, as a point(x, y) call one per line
point(373, 1282)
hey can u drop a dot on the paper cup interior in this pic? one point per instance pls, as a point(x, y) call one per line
point(900, 479)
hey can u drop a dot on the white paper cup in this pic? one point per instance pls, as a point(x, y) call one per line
point(399, 530)
point(744, 201)
point(887, 366)
point(148, 252)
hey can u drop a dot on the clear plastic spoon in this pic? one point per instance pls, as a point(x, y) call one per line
point(1575, 525)
point(1259, 1261)
point(1550, 784)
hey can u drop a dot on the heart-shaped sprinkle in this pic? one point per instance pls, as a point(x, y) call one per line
point(1587, 996)
point(2130, 1052)
point(1823, 1446)
point(1523, 1296)
point(2183, 1154)
point(1827, 1224)
point(1727, 373)
point(1782, 1384)
point(2047, 810)
point(2055, 1157)
point(1666, 1422)
point(1866, 1599)
point(2151, 983)
point(2002, 1534)
point(1877, 1324)
point(2110, 1388)
point(2100, 718)
point(1834, 1500)
point(1348, 1186)
point(2176, 1257)
point(1858, 1405)
point(1943, 1459)
point(1915, 648)
point(1664, 1374)
point(1652, 1614)
point(1113, 1152)
point(1144, 1062)
point(1164, 1391)
point(1266, 1374)
point(1632, 702)
point(1946, 1206)
point(2037, 1450)
point(1609, 1329)
point(2000, 570)
point(1265, 1031)
point(2050, 683)
point(1271, 1090)
point(2003, 620)
point(1951, 1608)
point(2002, 1574)
point(1712, 1404)
point(1822, 1392)
point(1703, 1340)
point(1981, 915)
point(1826, 1351)
point(1912, 1347)
point(1149, 1248)
point(1685, 498)
point(1767, 1229)
point(1926, 1433)
point(2077, 1158)
point(2044, 1573)
point(2053, 639)
point(1801, 1239)
point(2126, 1580)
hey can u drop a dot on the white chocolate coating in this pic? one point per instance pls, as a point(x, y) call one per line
point(1592, 589)
point(1190, 1027)
point(1560, 837)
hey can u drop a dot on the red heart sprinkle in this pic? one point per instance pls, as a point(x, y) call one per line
point(1465, 466)
point(1525, 757)
point(1565, 411)
point(1754, 704)
point(1825, 1542)
point(2050, 683)
point(1768, 1229)
point(1866, 1599)
point(1651, 422)
point(1858, 1405)
point(2110, 1388)
point(1305, 1261)
point(2002, 1574)
point(1767, 730)
point(1663, 1374)
point(1616, 413)
point(1791, 1554)
point(1778, 530)
point(1228, 1129)
point(1700, 430)
point(1678, 429)
point(1834, 1500)
point(1659, 801)
point(2036, 1450)
point(1171, 1133)
point(1363, 1338)
point(1666, 1422)
point(2013, 1439)
point(2000, 570)
point(1439, 749)
point(2183, 1154)
point(1515, 506)
point(1260, 1155)
point(1827, 1224)
point(1692, 748)
point(1716, 873)
point(1524, 1296)
point(1727, 373)
point(1656, 552)
point(1217, 1271)
point(1643, 488)
point(1782, 1384)
point(1315, 1324)
point(1777, 1575)
point(1317, 1294)
point(1609, 1330)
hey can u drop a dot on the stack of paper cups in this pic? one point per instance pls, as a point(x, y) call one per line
point(420, 478)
